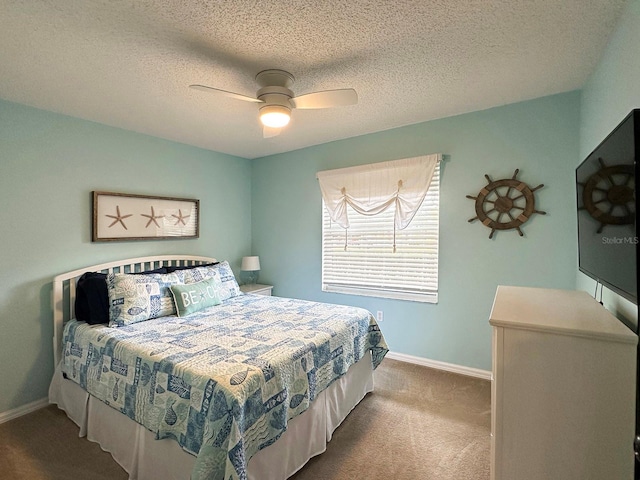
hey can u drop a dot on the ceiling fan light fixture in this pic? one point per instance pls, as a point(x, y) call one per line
point(276, 99)
point(275, 116)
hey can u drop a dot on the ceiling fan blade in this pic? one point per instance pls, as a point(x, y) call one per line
point(237, 96)
point(326, 99)
point(268, 132)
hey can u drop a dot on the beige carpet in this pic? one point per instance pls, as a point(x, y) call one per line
point(418, 424)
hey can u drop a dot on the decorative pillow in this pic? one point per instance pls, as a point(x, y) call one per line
point(229, 285)
point(92, 297)
point(136, 298)
point(196, 296)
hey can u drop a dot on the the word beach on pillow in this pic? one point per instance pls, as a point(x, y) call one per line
point(196, 296)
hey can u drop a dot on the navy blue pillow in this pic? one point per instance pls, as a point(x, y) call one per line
point(92, 297)
point(173, 269)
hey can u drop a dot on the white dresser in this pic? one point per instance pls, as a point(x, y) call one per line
point(563, 388)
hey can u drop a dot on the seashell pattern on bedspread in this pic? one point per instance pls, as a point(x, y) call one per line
point(222, 382)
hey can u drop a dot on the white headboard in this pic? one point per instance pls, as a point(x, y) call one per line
point(64, 286)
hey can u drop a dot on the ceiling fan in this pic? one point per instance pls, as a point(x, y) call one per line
point(277, 100)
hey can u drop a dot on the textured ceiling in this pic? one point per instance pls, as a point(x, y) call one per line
point(128, 63)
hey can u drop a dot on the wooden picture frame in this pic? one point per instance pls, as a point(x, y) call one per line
point(124, 217)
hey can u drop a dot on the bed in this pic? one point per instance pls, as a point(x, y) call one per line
point(239, 386)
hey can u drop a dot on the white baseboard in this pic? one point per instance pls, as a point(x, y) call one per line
point(448, 367)
point(23, 410)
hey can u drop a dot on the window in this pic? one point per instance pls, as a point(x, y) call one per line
point(361, 260)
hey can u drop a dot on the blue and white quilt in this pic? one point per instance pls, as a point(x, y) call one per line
point(225, 381)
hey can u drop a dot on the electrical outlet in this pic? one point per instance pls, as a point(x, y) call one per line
point(380, 316)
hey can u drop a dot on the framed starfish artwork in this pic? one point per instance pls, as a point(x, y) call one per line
point(124, 216)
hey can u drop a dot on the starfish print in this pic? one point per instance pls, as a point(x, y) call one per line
point(181, 218)
point(118, 218)
point(152, 218)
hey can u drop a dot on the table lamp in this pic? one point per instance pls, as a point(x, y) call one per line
point(250, 269)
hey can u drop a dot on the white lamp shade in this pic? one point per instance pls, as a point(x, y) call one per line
point(250, 264)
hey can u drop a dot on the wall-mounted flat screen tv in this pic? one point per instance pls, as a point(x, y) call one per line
point(607, 206)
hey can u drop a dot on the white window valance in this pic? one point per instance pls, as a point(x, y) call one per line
point(371, 189)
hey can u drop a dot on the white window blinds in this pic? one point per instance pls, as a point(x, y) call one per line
point(368, 265)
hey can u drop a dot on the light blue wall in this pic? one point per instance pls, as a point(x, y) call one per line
point(539, 137)
point(49, 164)
point(611, 92)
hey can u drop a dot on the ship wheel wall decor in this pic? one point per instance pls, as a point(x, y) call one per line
point(505, 204)
point(608, 195)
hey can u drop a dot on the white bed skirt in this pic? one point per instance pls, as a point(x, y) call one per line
point(144, 458)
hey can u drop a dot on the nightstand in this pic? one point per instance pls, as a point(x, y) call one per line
point(257, 288)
